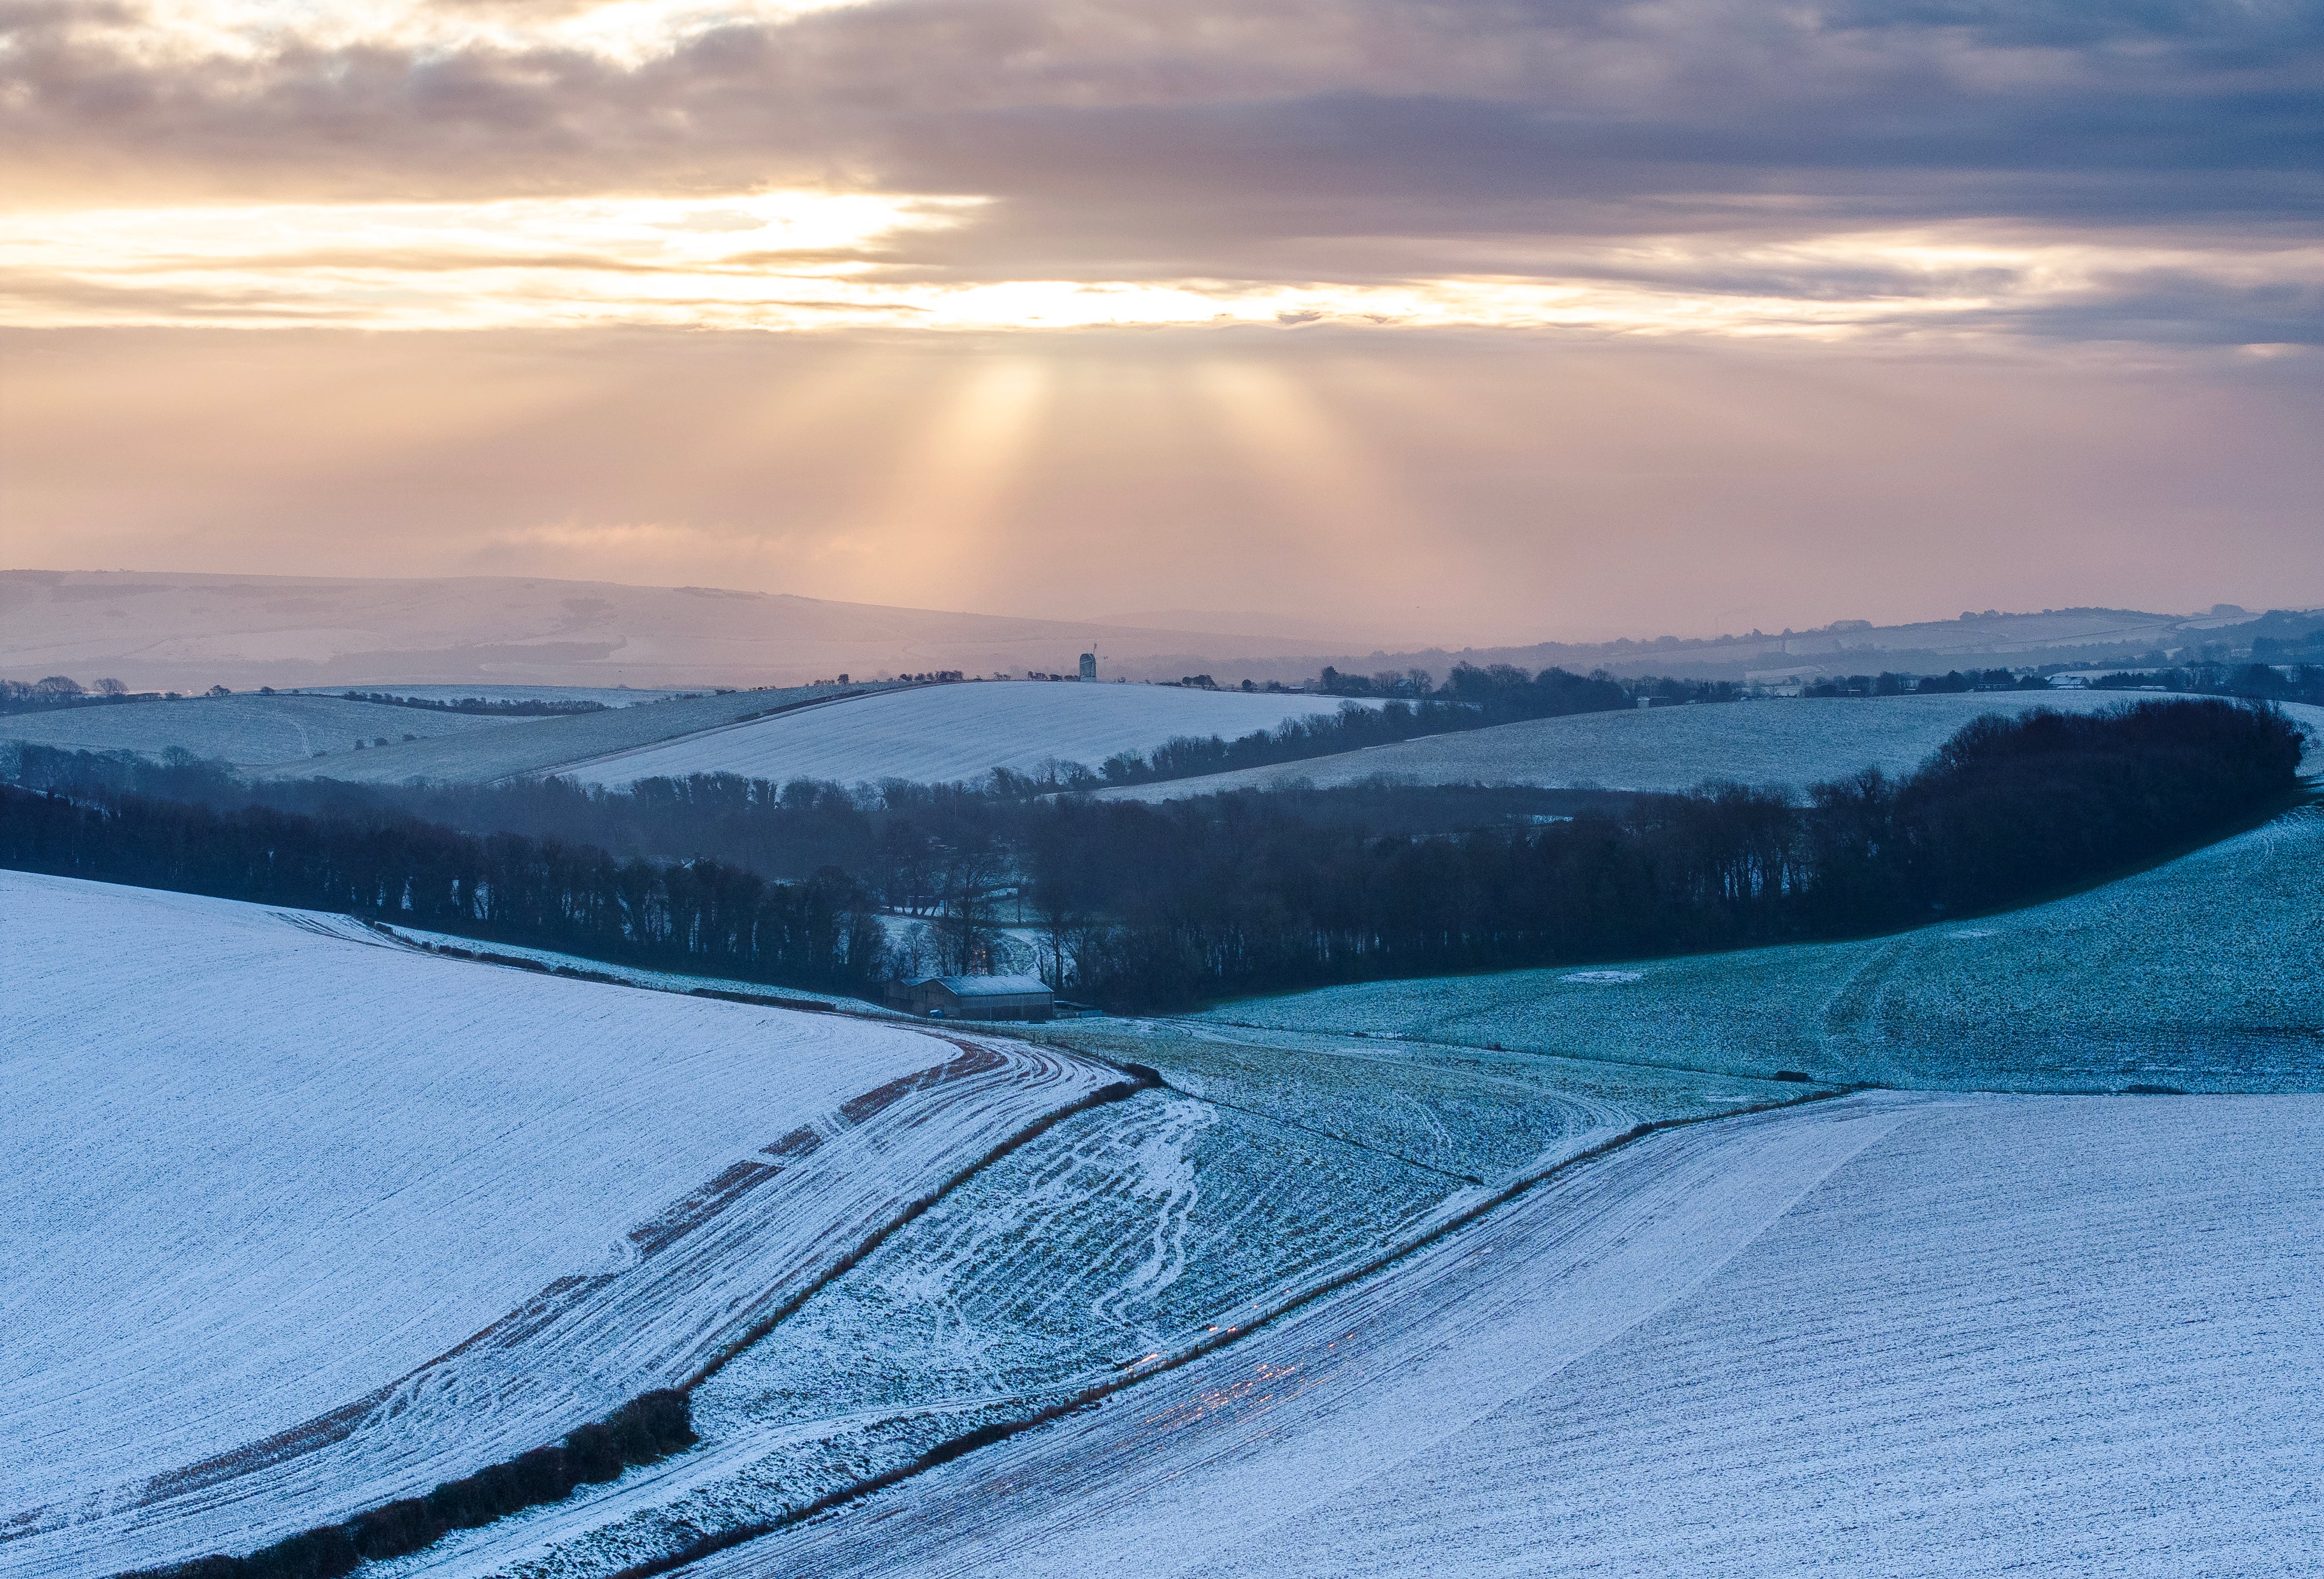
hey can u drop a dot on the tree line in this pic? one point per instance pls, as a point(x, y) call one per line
point(2258, 682)
point(1951, 683)
point(703, 916)
point(1146, 907)
point(2299, 682)
point(519, 707)
point(58, 691)
point(1233, 894)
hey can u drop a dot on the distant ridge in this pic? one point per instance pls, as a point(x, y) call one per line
point(164, 632)
point(156, 631)
point(1988, 641)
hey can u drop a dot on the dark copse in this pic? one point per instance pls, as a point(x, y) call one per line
point(651, 1425)
point(2267, 680)
point(700, 916)
point(2009, 807)
point(1173, 904)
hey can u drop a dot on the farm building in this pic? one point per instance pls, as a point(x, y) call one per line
point(978, 998)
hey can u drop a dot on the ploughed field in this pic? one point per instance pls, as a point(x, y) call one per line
point(1784, 742)
point(312, 1220)
point(1886, 1335)
point(1101, 1251)
point(943, 733)
point(2203, 975)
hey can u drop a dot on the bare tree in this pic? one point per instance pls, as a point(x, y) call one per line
point(968, 919)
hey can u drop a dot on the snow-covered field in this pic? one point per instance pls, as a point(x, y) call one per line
point(540, 745)
point(249, 730)
point(300, 1221)
point(1466, 1112)
point(1886, 1334)
point(940, 733)
point(608, 696)
point(1786, 741)
point(1136, 1229)
point(2203, 974)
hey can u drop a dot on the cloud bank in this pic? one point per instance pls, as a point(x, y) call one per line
point(2025, 173)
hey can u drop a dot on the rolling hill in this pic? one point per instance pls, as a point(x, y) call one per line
point(335, 1220)
point(188, 632)
point(926, 733)
point(528, 746)
point(1270, 1165)
point(940, 733)
point(1885, 1335)
point(248, 731)
point(292, 736)
point(438, 1213)
point(1786, 742)
point(2202, 974)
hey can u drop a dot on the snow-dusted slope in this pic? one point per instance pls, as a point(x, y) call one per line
point(2202, 973)
point(1788, 741)
point(1134, 1229)
point(299, 1222)
point(542, 745)
point(938, 733)
point(240, 729)
point(1882, 1335)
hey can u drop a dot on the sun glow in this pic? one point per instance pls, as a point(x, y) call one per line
point(807, 259)
point(758, 260)
point(939, 514)
point(623, 32)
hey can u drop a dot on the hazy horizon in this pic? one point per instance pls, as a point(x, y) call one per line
point(1324, 637)
point(188, 631)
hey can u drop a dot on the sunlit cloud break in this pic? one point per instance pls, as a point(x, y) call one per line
point(623, 31)
point(806, 260)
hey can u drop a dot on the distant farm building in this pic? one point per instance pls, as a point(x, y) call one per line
point(977, 998)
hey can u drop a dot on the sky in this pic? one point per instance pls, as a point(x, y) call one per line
point(1477, 321)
